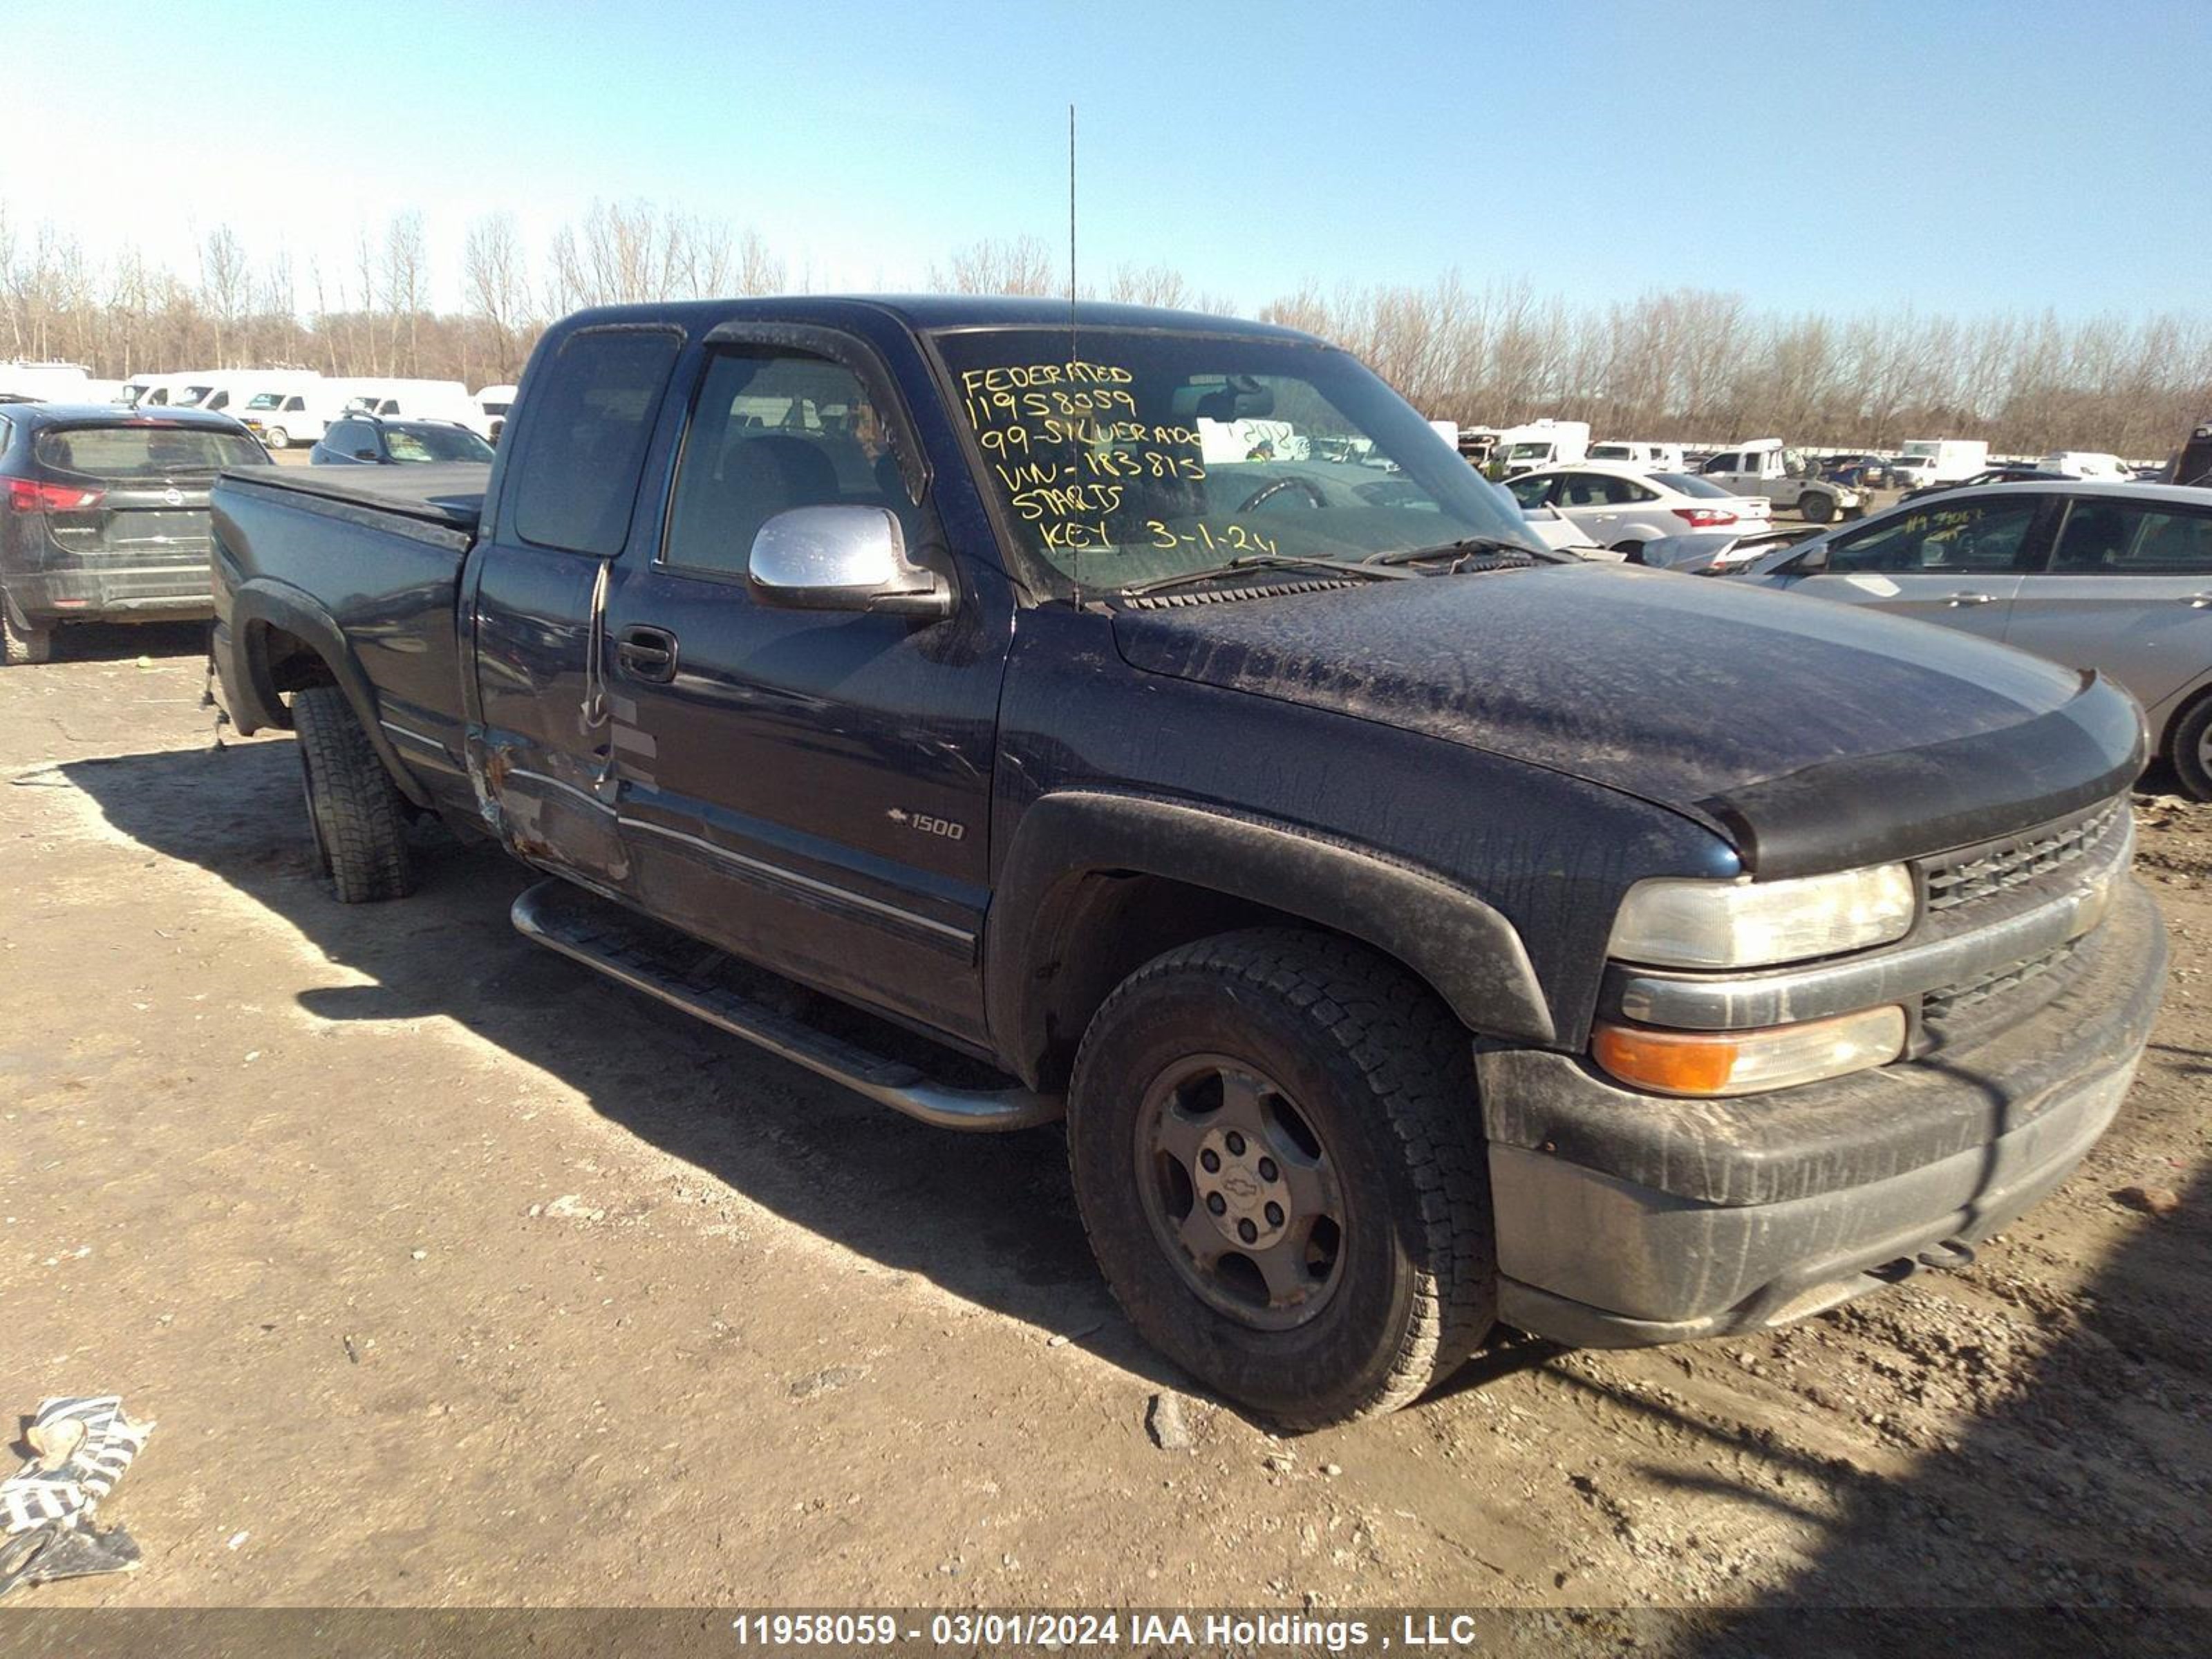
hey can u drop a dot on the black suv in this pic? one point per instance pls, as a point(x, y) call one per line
point(107, 518)
point(374, 441)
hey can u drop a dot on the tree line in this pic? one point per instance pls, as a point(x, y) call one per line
point(1693, 364)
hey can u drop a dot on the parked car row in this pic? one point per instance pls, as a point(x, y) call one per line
point(284, 407)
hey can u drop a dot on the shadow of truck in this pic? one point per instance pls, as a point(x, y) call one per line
point(988, 1217)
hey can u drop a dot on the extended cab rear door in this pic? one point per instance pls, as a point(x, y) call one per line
point(543, 750)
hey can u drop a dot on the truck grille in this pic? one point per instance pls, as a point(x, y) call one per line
point(2001, 866)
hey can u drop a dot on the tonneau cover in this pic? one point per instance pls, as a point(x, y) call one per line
point(450, 493)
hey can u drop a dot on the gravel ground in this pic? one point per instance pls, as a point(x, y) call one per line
point(455, 1275)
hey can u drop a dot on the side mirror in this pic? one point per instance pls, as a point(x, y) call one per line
point(843, 558)
point(1811, 562)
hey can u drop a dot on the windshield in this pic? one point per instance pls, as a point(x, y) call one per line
point(265, 400)
point(193, 395)
point(142, 451)
point(1690, 484)
point(1529, 452)
point(1611, 452)
point(434, 443)
point(1144, 454)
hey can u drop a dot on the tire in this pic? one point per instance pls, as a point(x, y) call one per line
point(1363, 1085)
point(1631, 552)
point(276, 437)
point(22, 646)
point(2188, 745)
point(353, 810)
point(1816, 507)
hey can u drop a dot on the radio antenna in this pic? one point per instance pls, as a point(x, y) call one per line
point(1073, 356)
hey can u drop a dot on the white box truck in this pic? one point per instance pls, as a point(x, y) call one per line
point(1954, 459)
point(1543, 443)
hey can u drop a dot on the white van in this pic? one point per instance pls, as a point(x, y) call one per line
point(1644, 457)
point(164, 391)
point(56, 383)
point(2100, 466)
point(1952, 460)
point(492, 404)
point(419, 400)
point(1546, 443)
point(284, 406)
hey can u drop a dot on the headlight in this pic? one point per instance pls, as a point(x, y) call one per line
point(1675, 923)
point(1715, 1063)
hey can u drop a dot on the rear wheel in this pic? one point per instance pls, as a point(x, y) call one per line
point(354, 812)
point(1631, 552)
point(1277, 1154)
point(2190, 746)
point(276, 437)
point(22, 645)
point(1816, 507)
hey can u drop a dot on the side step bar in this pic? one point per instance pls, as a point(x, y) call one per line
point(637, 950)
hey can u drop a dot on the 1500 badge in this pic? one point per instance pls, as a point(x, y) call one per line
point(926, 824)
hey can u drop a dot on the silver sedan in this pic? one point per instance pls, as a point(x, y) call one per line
point(2112, 576)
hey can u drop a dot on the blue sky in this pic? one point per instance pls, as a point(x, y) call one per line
point(1956, 156)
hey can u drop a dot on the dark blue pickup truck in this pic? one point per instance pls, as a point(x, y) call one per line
point(1148, 719)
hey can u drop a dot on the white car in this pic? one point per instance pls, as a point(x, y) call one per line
point(1911, 470)
point(1622, 509)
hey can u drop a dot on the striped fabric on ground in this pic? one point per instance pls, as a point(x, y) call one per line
point(82, 1446)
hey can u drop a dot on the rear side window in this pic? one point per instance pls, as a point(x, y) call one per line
point(145, 451)
point(590, 419)
point(2123, 537)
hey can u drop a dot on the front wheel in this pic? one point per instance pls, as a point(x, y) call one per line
point(276, 437)
point(1816, 507)
point(1277, 1154)
point(2190, 749)
point(353, 810)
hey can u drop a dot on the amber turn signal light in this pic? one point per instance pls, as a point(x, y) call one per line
point(1711, 1063)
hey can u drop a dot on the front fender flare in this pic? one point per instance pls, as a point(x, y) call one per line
point(1462, 946)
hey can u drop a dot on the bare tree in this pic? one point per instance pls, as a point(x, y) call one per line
point(1024, 265)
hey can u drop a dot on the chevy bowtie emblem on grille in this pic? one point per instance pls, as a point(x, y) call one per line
point(174, 497)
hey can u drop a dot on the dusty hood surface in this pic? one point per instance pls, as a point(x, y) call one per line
point(1759, 711)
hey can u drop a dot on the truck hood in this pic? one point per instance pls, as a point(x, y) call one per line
point(1811, 735)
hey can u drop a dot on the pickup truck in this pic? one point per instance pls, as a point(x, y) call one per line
point(1763, 466)
point(1417, 929)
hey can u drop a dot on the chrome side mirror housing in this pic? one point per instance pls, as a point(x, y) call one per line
point(843, 558)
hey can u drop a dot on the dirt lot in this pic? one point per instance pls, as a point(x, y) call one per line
point(453, 1275)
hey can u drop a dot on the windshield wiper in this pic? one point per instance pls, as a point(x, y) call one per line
point(1244, 561)
point(1458, 549)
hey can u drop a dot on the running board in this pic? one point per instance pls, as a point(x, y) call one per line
point(641, 952)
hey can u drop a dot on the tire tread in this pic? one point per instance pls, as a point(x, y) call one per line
point(364, 828)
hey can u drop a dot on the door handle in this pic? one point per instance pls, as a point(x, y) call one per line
point(647, 653)
point(1957, 600)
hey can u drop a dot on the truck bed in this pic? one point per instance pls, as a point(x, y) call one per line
point(445, 500)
